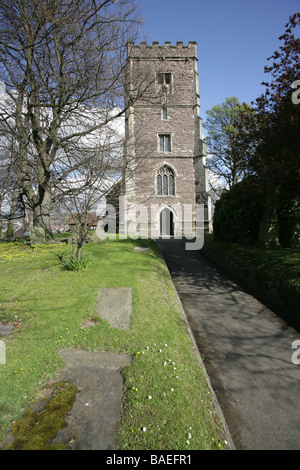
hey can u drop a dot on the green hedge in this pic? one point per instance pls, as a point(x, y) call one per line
point(238, 212)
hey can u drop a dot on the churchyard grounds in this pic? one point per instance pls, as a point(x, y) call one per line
point(167, 400)
point(168, 403)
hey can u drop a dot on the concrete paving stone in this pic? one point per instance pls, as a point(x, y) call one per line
point(95, 417)
point(115, 305)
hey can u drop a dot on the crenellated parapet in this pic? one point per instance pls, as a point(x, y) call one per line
point(163, 51)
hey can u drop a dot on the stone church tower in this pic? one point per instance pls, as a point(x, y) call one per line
point(165, 175)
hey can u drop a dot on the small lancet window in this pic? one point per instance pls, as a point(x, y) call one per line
point(164, 113)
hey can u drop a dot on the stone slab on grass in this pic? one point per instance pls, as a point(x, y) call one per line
point(140, 248)
point(115, 305)
point(88, 324)
point(95, 417)
point(5, 329)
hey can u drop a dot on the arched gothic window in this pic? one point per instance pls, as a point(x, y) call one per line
point(165, 181)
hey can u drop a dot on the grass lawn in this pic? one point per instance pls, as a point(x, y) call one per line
point(48, 305)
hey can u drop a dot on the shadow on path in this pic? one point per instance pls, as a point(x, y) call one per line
point(246, 349)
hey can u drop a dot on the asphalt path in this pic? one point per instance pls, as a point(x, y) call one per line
point(249, 353)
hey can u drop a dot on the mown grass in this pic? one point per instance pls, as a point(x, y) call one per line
point(271, 274)
point(167, 398)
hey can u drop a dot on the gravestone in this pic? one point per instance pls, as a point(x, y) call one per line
point(96, 239)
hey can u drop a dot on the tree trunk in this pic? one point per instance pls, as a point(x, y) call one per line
point(78, 254)
point(41, 214)
point(10, 223)
point(26, 223)
point(269, 224)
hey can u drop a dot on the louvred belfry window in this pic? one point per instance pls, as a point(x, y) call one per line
point(164, 79)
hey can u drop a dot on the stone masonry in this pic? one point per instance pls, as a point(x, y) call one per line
point(164, 137)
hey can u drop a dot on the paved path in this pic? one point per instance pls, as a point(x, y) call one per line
point(246, 350)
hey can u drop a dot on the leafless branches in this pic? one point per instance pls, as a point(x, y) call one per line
point(62, 64)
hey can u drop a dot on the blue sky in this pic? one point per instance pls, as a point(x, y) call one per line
point(234, 38)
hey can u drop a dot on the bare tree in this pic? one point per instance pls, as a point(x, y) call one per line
point(96, 170)
point(62, 63)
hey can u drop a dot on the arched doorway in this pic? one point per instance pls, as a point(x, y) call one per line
point(166, 223)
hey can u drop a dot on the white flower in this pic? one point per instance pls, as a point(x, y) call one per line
point(172, 389)
point(160, 350)
point(150, 397)
point(188, 442)
point(144, 429)
point(166, 345)
point(174, 368)
point(190, 436)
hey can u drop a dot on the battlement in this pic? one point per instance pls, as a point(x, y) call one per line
point(162, 51)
